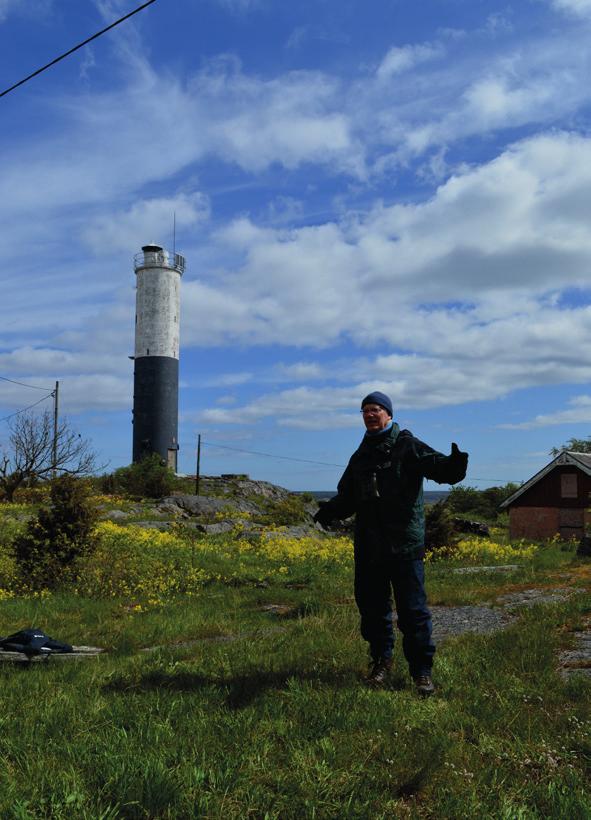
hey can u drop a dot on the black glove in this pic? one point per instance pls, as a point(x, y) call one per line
point(460, 460)
point(323, 516)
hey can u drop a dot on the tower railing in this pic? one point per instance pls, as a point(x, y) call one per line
point(159, 259)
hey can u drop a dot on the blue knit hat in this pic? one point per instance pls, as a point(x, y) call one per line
point(379, 398)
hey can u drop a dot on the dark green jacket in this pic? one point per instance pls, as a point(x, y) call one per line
point(383, 486)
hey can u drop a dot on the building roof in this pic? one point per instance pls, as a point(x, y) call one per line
point(581, 461)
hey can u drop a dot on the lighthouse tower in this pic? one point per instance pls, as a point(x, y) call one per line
point(156, 371)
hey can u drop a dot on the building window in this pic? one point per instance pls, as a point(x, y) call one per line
point(568, 485)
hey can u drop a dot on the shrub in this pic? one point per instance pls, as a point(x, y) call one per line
point(58, 535)
point(479, 503)
point(149, 478)
point(439, 527)
point(33, 494)
point(285, 511)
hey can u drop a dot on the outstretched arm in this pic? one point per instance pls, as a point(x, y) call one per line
point(441, 468)
point(340, 505)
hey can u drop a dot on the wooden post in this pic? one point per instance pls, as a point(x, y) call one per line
point(198, 464)
point(55, 427)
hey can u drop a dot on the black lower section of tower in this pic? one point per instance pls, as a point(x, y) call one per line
point(155, 408)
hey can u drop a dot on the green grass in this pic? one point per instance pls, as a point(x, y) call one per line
point(241, 711)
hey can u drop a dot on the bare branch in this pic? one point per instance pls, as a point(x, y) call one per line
point(30, 454)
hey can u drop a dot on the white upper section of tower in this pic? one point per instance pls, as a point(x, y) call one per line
point(158, 302)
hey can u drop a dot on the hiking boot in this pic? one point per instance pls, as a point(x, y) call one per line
point(378, 674)
point(424, 685)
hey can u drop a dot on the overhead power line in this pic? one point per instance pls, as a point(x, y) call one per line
point(310, 461)
point(22, 384)
point(24, 409)
point(271, 455)
point(72, 50)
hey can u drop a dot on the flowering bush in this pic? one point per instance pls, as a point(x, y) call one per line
point(281, 548)
point(477, 550)
point(134, 562)
point(8, 575)
point(12, 524)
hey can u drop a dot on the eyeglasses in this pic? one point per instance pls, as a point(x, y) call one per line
point(371, 411)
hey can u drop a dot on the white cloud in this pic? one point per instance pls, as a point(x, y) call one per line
point(26, 8)
point(300, 371)
point(144, 221)
point(240, 5)
point(99, 391)
point(578, 413)
point(77, 394)
point(309, 32)
point(403, 58)
point(104, 150)
point(298, 407)
point(517, 226)
point(6, 6)
point(498, 101)
point(464, 286)
point(284, 210)
point(291, 119)
point(441, 102)
point(55, 364)
point(580, 8)
point(498, 24)
point(423, 381)
point(88, 62)
point(229, 379)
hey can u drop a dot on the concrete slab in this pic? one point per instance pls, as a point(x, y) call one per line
point(79, 652)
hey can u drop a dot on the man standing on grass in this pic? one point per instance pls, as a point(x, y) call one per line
point(383, 486)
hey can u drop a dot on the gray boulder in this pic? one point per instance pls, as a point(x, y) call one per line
point(196, 505)
point(116, 515)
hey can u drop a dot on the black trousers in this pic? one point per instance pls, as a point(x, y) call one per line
point(374, 585)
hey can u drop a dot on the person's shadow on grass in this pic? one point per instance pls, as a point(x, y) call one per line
point(242, 690)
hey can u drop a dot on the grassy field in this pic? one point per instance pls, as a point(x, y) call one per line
point(231, 688)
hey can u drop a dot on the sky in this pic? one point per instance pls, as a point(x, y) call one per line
point(370, 194)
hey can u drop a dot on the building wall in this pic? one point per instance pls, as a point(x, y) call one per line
point(545, 522)
point(533, 522)
point(558, 504)
point(547, 492)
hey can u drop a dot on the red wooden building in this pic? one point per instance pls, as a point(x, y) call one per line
point(555, 501)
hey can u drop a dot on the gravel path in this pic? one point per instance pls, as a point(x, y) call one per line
point(456, 620)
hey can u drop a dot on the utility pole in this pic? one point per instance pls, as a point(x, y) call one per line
point(198, 464)
point(55, 425)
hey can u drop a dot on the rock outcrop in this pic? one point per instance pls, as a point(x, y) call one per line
point(227, 502)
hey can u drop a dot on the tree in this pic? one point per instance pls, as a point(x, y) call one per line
point(578, 445)
point(58, 535)
point(35, 452)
